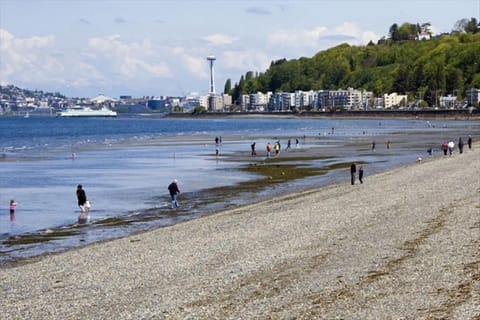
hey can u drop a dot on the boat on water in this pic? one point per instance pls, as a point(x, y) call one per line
point(79, 111)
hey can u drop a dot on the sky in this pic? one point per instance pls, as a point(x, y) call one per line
point(83, 48)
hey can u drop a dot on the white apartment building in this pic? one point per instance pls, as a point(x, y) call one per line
point(304, 99)
point(394, 99)
point(255, 101)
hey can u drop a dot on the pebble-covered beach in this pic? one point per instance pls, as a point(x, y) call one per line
point(402, 245)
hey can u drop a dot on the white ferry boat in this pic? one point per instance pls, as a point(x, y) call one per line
point(79, 111)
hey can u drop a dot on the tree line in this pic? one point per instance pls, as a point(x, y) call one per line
point(422, 69)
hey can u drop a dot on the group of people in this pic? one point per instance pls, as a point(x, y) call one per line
point(84, 203)
point(353, 173)
point(449, 147)
point(275, 148)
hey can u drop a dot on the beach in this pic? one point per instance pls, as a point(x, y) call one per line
point(402, 245)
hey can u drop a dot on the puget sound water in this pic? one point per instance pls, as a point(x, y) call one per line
point(125, 165)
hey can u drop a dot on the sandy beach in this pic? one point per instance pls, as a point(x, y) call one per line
point(403, 245)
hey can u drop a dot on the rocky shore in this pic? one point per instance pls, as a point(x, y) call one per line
point(402, 245)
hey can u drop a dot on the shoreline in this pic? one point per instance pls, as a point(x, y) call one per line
point(402, 245)
point(464, 114)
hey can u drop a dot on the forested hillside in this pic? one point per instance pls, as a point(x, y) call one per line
point(447, 64)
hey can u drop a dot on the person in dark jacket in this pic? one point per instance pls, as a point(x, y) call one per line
point(460, 145)
point(360, 174)
point(174, 191)
point(82, 198)
point(353, 171)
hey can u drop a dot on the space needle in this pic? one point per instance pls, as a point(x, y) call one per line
point(212, 81)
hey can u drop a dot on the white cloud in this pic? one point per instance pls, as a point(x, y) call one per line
point(322, 37)
point(359, 37)
point(219, 39)
point(246, 60)
point(296, 38)
point(27, 58)
point(195, 64)
point(130, 60)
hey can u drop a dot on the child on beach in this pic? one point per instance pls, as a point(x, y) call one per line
point(13, 206)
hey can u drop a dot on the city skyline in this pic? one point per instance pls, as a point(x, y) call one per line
point(155, 48)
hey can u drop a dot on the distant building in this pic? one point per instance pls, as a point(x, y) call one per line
point(448, 101)
point(215, 102)
point(281, 102)
point(157, 104)
point(473, 97)
point(100, 99)
point(394, 100)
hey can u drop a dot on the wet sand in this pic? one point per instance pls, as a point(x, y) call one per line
point(403, 245)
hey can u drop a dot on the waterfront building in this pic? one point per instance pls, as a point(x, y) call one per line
point(394, 100)
point(447, 101)
point(473, 97)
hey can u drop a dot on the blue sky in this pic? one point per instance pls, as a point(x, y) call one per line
point(148, 47)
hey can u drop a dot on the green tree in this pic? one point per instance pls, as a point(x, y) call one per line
point(393, 32)
point(228, 87)
point(407, 31)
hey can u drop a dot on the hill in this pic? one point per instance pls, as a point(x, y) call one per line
point(448, 64)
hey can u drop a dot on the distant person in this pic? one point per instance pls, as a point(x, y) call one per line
point(217, 140)
point(268, 147)
point(13, 206)
point(460, 145)
point(360, 174)
point(451, 146)
point(277, 147)
point(469, 142)
point(82, 199)
point(388, 144)
point(297, 144)
point(445, 148)
point(373, 145)
point(174, 192)
point(217, 152)
point(353, 171)
point(289, 144)
point(252, 146)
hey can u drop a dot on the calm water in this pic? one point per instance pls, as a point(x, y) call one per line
point(125, 165)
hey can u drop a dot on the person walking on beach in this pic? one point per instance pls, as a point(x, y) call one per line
point(269, 149)
point(360, 174)
point(174, 192)
point(296, 143)
point(254, 152)
point(373, 145)
point(451, 146)
point(82, 199)
point(469, 142)
point(289, 144)
point(460, 145)
point(353, 171)
point(277, 148)
point(445, 148)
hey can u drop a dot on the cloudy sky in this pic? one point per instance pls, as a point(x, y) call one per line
point(82, 48)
